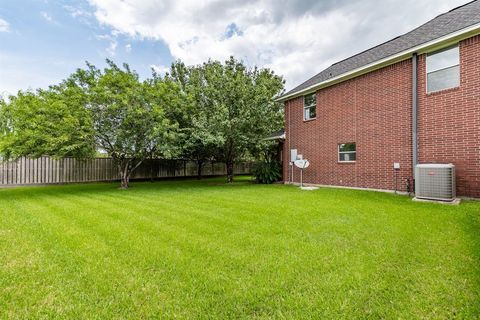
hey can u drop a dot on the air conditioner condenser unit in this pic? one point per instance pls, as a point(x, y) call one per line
point(435, 182)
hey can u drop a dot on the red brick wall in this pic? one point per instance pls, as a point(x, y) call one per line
point(449, 121)
point(374, 111)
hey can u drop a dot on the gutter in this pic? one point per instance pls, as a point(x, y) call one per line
point(414, 112)
point(423, 48)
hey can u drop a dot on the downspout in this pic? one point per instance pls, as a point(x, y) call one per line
point(290, 166)
point(414, 113)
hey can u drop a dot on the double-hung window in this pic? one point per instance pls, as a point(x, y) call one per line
point(443, 69)
point(347, 152)
point(309, 107)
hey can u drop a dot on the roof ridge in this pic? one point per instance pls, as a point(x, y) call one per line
point(403, 34)
point(430, 30)
point(463, 5)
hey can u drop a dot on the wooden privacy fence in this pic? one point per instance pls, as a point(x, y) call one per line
point(46, 170)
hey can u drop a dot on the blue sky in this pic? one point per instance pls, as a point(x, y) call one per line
point(46, 41)
point(43, 41)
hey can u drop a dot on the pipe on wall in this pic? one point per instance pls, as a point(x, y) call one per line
point(414, 112)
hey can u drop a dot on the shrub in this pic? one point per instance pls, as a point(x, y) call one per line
point(267, 172)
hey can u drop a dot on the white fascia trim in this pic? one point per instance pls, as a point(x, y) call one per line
point(423, 48)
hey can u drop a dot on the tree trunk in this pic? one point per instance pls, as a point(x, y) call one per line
point(229, 171)
point(124, 182)
point(124, 174)
point(126, 168)
point(199, 169)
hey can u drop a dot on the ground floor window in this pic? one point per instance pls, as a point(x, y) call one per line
point(347, 152)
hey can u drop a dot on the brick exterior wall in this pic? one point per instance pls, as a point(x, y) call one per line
point(374, 111)
point(449, 121)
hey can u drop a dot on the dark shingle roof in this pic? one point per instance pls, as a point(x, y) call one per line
point(277, 135)
point(444, 24)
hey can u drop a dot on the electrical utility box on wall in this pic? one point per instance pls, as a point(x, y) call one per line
point(435, 182)
point(293, 155)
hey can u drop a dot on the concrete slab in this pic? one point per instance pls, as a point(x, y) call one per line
point(454, 202)
point(308, 188)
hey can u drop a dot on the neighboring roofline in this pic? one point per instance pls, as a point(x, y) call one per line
point(277, 137)
point(429, 46)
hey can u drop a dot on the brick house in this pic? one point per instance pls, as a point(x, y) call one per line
point(413, 99)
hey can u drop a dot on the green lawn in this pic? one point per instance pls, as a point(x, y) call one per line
point(189, 249)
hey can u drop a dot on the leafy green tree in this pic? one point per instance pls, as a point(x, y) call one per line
point(109, 110)
point(235, 107)
point(268, 168)
point(201, 112)
point(128, 116)
point(198, 142)
point(50, 122)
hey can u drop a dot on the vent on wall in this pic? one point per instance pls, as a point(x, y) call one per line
point(435, 182)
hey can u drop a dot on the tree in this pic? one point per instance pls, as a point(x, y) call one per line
point(206, 111)
point(235, 107)
point(268, 168)
point(198, 142)
point(50, 122)
point(128, 116)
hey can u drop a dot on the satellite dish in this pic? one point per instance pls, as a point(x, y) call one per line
point(302, 164)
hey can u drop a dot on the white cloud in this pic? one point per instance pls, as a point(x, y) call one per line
point(4, 26)
point(111, 50)
point(160, 69)
point(113, 43)
point(46, 16)
point(80, 13)
point(77, 12)
point(128, 48)
point(295, 38)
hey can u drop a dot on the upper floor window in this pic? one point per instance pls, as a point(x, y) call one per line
point(310, 107)
point(347, 152)
point(443, 69)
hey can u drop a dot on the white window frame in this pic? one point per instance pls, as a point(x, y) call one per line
point(347, 152)
point(313, 105)
point(456, 46)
